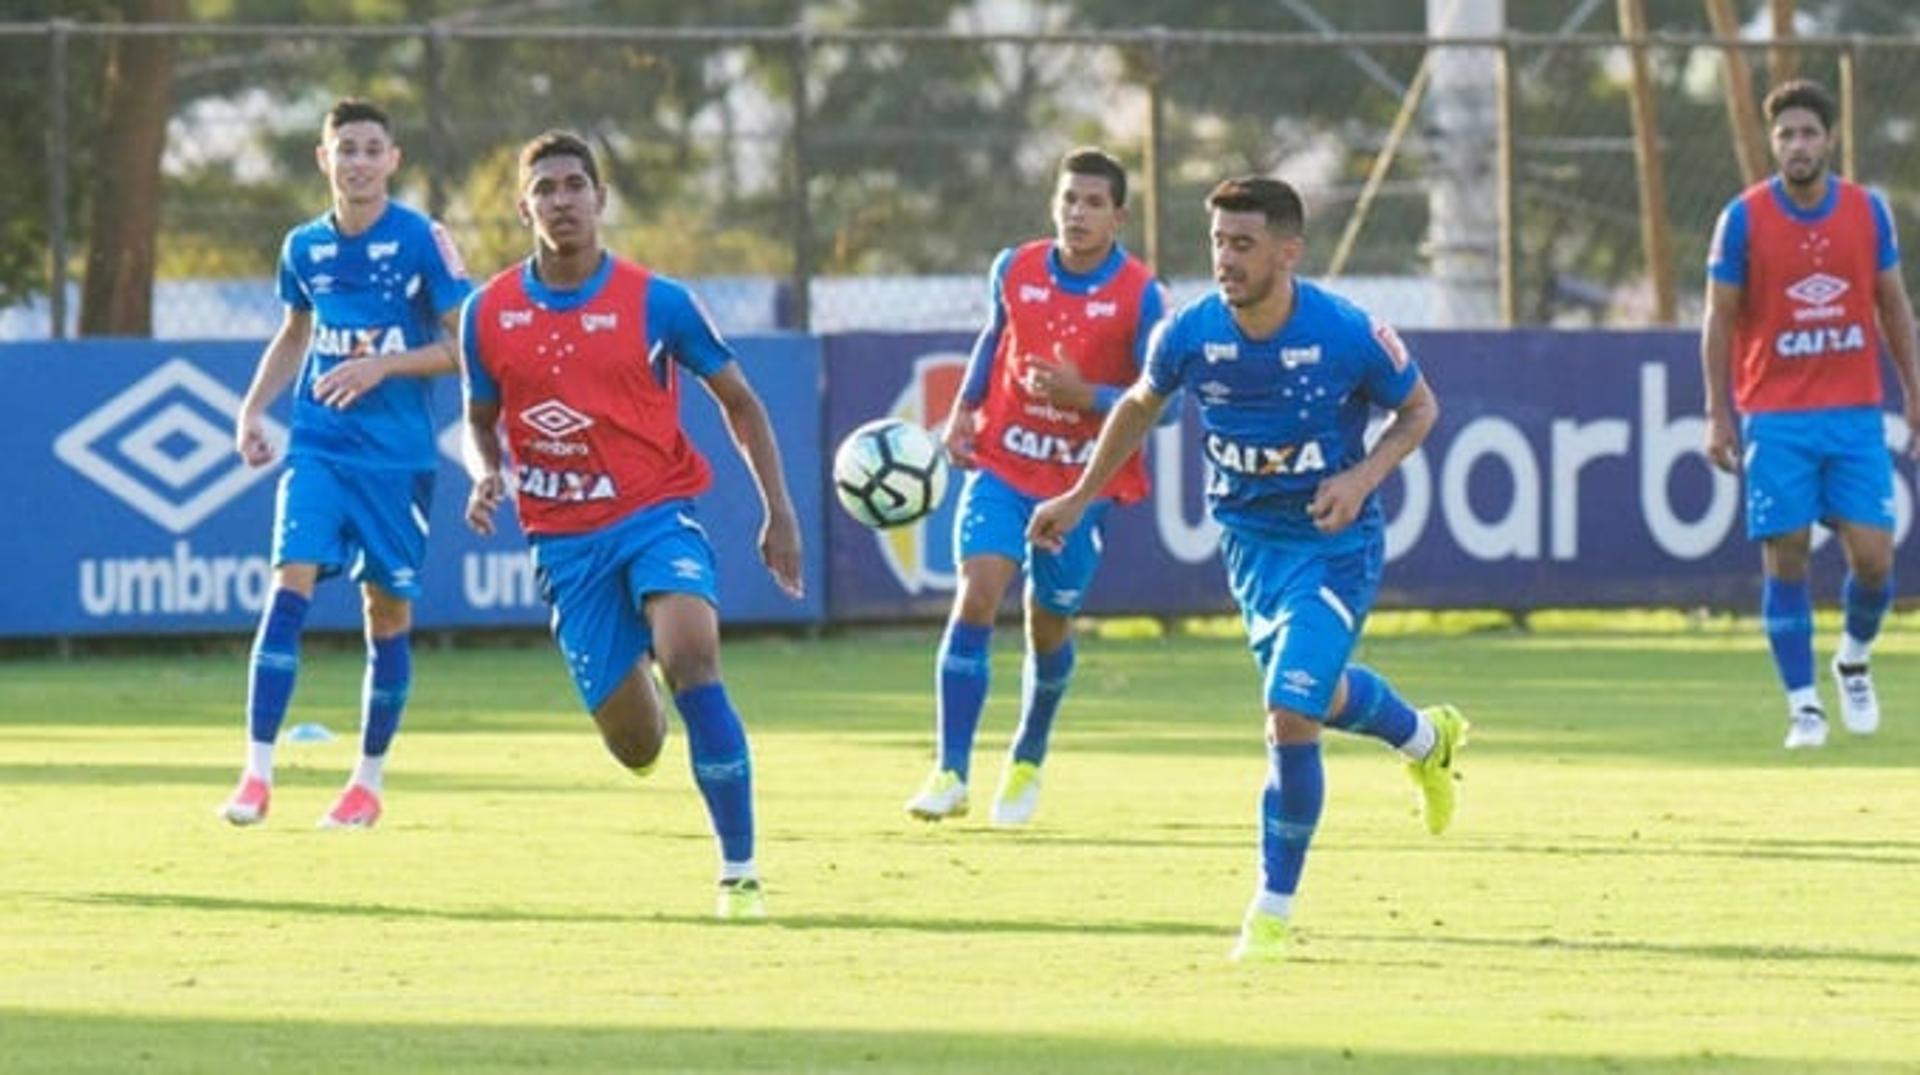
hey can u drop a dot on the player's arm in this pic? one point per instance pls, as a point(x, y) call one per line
point(278, 366)
point(480, 450)
point(752, 432)
point(1726, 285)
point(1896, 324)
point(1338, 500)
point(1716, 367)
point(345, 384)
point(1127, 424)
point(957, 437)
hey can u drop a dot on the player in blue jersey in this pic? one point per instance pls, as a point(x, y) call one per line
point(372, 291)
point(1068, 332)
point(1286, 375)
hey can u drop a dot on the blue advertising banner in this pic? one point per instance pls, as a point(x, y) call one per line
point(1565, 470)
point(130, 513)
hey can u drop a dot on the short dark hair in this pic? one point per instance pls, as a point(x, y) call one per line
point(1274, 198)
point(558, 144)
point(1801, 93)
point(1088, 160)
point(354, 110)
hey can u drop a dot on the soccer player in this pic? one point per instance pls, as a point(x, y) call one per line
point(1803, 286)
point(1070, 320)
point(372, 291)
point(575, 351)
point(1286, 375)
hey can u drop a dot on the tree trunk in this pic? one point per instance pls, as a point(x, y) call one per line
point(136, 82)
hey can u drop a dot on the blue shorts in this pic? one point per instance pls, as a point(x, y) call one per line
point(1303, 609)
point(1828, 466)
point(370, 523)
point(598, 584)
point(992, 521)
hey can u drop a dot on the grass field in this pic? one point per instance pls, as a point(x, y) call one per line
point(1639, 879)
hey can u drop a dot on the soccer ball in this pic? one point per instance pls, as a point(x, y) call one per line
point(889, 473)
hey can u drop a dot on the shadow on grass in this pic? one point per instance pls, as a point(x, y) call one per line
point(48, 1042)
point(856, 923)
point(1741, 953)
point(218, 779)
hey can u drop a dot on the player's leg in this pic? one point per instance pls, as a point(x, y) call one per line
point(990, 541)
point(1290, 803)
point(387, 531)
point(306, 543)
point(1857, 500)
point(1782, 464)
point(1056, 587)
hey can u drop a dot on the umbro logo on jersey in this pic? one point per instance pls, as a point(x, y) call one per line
point(1033, 293)
point(319, 252)
point(555, 419)
point(1295, 357)
point(1220, 352)
point(688, 568)
point(1103, 309)
point(321, 284)
point(1214, 392)
point(1818, 289)
point(382, 251)
point(599, 322)
point(512, 319)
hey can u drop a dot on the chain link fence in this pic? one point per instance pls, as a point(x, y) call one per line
point(865, 179)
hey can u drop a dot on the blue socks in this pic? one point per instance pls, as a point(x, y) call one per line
point(1043, 683)
point(384, 694)
point(1788, 616)
point(962, 679)
point(275, 665)
point(1374, 709)
point(717, 745)
point(1865, 608)
point(1289, 811)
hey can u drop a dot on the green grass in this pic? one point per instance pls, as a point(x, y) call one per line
point(1639, 879)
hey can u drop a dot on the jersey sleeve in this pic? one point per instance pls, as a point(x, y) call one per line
point(1167, 357)
point(1886, 242)
point(292, 290)
point(1727, 254)
point(677, 322)
point(476, 384)
point(1153, 308)
point(1388, 370)
point(445, 273)
point(973, 386)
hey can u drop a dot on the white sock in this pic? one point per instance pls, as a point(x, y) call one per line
point(369, 772)
point(260, 760)
point(1279, 905)
point(737, 871)
point(1804, 698)
point(1853, 651)
point(1421, 742)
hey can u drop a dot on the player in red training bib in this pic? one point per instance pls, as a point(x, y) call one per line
point(1071, 317)
point(574, 354)
point(1803, 287)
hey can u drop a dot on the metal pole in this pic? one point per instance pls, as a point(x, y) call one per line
point(438, 144)
point(1849, 102)
point(1508, 194)
point(800, 209)
point(1655, 238)
point(1154, 207)
point(59, 139)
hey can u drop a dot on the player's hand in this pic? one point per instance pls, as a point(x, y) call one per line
point(1058, 381)
point(1337, 502)
point(483, 501)
point(343, 385)
point(1723, 443)
point(250, 439)
point(957, 438)
point(780, 551)
point(1053, 520)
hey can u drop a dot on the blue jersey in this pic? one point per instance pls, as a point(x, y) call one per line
point(1281, 414)
point(380, 292)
